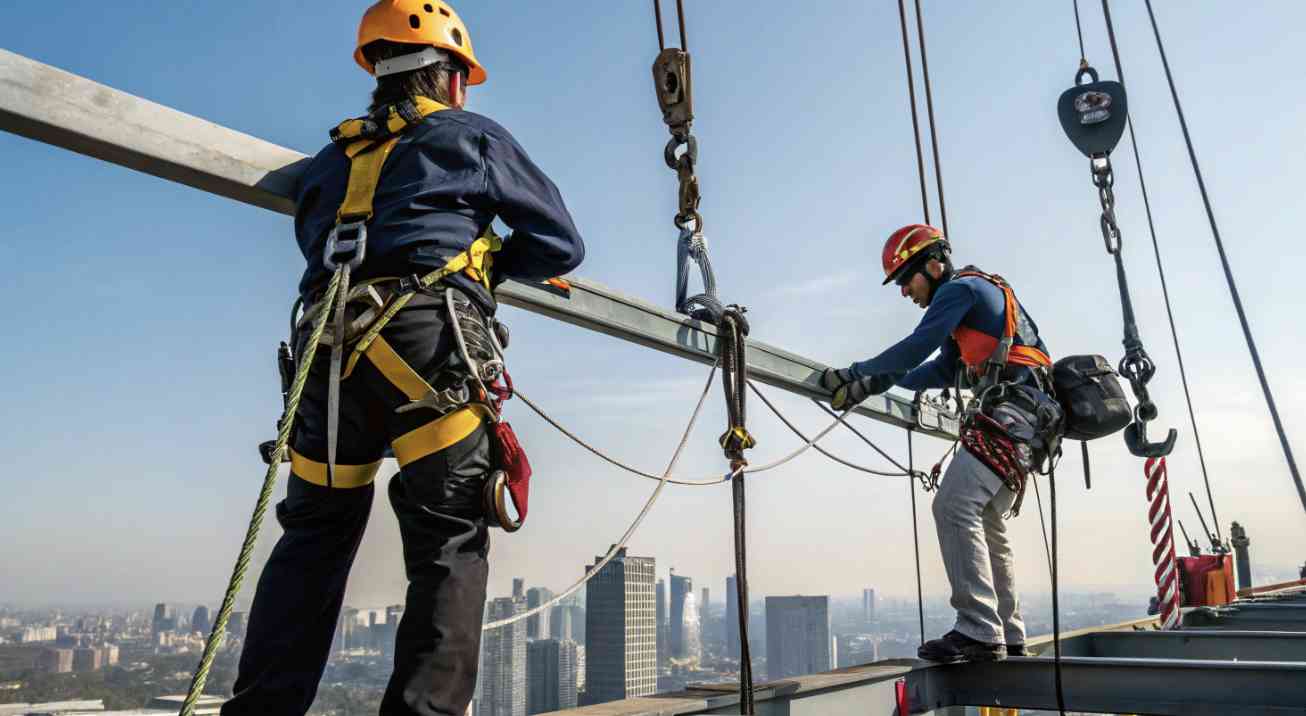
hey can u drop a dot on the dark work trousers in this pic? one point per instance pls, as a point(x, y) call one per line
point(437, 500)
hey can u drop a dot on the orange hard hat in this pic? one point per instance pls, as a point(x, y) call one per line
point(907, 243)
point(418, 22)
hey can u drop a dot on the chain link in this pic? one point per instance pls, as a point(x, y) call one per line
point(1104, 180)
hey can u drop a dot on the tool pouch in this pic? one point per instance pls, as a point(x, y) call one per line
point(511, 480)
point(1090, 394)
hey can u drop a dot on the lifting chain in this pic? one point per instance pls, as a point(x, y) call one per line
point(1136, 366)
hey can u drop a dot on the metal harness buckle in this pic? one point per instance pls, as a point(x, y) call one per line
point(347, 250)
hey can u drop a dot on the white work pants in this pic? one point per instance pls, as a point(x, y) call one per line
point(968, 512)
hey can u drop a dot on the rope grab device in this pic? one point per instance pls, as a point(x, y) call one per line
point(1093, 114)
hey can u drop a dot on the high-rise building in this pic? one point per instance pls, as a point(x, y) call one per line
point(86, 658)
point(577, 623)
point(560, 623)
point(551, 671)
point(518, 588)
point(702, 604)
point(200, 621)
point(855, 650)
point(798, 636)
point(236, 625)
point(503, 674)
point(682, 590)
point(55, 661)
point(109, 655)
point(580, 667)
point(161, 616)
point(661, 615)
point(537, 627)
point(732, 618)
point(868, 605)
point(620, 630)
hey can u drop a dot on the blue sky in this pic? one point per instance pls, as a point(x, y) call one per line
point(144, 315)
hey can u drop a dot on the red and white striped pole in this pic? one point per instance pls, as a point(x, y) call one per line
point(1163, 555)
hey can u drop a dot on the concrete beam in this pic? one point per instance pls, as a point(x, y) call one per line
point(62, 109)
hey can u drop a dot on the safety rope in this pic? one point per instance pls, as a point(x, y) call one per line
point(648, 505)
point(1043, 527)
point(916, 539)
point(915, 121)
point(1079, 31)
point(801, 436)
point(1228, 273)
point(1056, 605)
point(929, 108)
point(1165, 566)
point(1160, 269)
point(732, 333)
point(865, 439)
point(265, 496)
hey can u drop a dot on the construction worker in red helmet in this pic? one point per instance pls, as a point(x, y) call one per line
point(404, 198)
point(986, 343)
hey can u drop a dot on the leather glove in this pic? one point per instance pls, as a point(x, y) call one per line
point(834, 378)
point(851, 394)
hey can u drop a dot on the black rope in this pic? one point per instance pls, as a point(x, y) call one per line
point(916, 540)
point(1160, 269)
point(657, 17)
point(1224, 262)
point(1083, 57)
point(915, 122)
point(732, 329)
point(865, 439)
point(1056, 607)
point(1043, 527)
point(802, 436)
point(929, 108)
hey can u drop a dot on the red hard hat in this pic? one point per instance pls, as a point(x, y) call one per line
point(905, 244)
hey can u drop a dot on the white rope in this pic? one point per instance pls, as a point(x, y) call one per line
point(702, 482)
point(648, 505)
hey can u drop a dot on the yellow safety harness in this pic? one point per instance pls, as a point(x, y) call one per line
point(368, 142)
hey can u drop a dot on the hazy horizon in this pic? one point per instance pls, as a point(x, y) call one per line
point(146, 314)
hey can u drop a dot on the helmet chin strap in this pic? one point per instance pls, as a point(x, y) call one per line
point(934, 283)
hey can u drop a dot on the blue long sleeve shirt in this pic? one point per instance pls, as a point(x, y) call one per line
point(970, 301)
point(442, 185)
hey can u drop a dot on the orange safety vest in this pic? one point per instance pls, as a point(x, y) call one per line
point(978, 348)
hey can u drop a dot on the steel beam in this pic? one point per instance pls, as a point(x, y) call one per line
point(1209, 645)
point(59, 108)
point(1097, 685)
point(1287, 617)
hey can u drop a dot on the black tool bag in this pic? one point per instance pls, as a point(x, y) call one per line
point(1090, 394)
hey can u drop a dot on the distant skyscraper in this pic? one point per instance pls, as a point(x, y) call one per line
point(621, 630)
point(551, 671)
point(732, 618)
point(55, 661)
point(109, 655)
point(236, 624)
point(691, 637)
point(577, 623)
point(560, 623)
point(200, 620)
point(797, 636)
point(161, 613)
point(518, 588)
point(682, 590)
point(868, 605)
point(661, 615)
point(503, 674)
point(702, 605)
point(537, 627)
point(86, 658)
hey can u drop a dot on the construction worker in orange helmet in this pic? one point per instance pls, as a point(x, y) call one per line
point(404, 198)
point(984, 338)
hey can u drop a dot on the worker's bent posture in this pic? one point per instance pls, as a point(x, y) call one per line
point(973, 319)
point(416, 384)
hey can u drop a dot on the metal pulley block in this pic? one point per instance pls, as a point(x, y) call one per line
point(1093, 113)
point(674, 89)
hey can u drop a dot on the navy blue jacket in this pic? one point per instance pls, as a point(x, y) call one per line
point(969, 301)
point(442, 185)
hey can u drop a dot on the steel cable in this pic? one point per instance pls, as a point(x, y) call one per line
point(916, 539)
point(1224, 263)
point(929, 109)
point(915, 122)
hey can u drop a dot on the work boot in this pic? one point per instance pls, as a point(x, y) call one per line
point(1017, 650)
point(955, 646)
